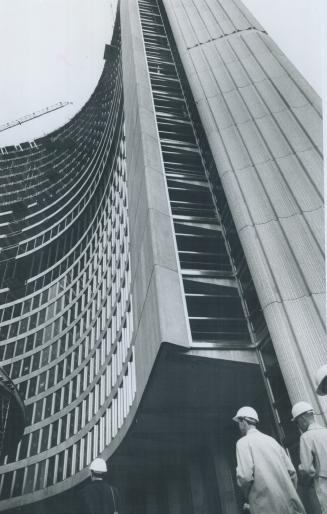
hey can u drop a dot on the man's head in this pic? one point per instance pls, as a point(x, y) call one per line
point(246, 417)
point(321, 380)
point(98, 468)
point(303, 414)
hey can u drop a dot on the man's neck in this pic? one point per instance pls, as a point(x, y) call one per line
point(251, 428)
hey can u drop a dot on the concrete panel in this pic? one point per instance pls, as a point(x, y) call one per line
point(220, 112)
point(290, 92)
point(308, 116)
point(297, 374)
point(269, 64)
point(147, 339)
point(297, 137)
point(152, 245)
point(239, 46)
point(219, 152)
point(316, 222)
point(254, 196)
point(303, 85)
point(222, 76)
point(226, 52)
point(319, 301)
point(253, 101)
point(197, 87)
point(209, 20)
point(199, 27)
point(245, 356)
point(289, 278)
point(270, 96)
point(173, 323)
point(184, 25)
point(301, 181)
point(254, 142)
point(275, 139)
point(280, 194)
point(235, 200)
point(206, 110)
point(253, 69)
point(238, 74)
point(307, 254)
point(262, 275)
point(283, 139)
point(236, 150)
point(237, 106)
point(313, 164)
point(162, 320)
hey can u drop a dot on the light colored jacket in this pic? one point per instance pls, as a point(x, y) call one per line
point(267, 475)
point(313, 457)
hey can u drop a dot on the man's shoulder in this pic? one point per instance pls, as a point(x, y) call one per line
point(256, 437)
point(313, 432)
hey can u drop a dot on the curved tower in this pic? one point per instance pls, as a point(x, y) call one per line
point(66, 311)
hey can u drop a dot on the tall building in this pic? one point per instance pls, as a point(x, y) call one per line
point(162, 264)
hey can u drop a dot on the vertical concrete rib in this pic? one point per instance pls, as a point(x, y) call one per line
point(158, 298)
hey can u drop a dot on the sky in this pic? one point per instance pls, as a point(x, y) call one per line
point(296, 27)
point(52, 51)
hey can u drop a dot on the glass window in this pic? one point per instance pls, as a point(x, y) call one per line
point(18, 482)
point(51, 375)
point(44, 438)
point(34, 443)
point(42, 382)
point(36, 361)
point(29, 481)
point(38, 411)
point(54, 434)
point(69, 458)
point(24, 446)
point(40, 475)
point(48, 405)
point(63, 429)
point(7, 484)
point(50, 474)
point(15, 369)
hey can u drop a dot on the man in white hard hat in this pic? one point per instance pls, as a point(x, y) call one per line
point(97, 496)
point(321, 380)
point(313, 450)
point(264, 471)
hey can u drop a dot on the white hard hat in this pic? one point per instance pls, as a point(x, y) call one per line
point(98, 465)
point(301, 408)
point(246, 412)
point(320, 377)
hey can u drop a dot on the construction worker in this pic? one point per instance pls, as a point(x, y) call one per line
point(97, 496)
point(321, 380)
point(313, 450)
point(264, 471)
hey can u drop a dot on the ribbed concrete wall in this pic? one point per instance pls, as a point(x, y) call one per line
point(263, 123)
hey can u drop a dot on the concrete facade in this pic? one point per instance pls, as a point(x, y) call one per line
point(159, 306)
point(264, 126)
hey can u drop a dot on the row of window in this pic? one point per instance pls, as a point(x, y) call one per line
point(68, 341)
point(51, 467)
point(254, 316)
point(214, 307)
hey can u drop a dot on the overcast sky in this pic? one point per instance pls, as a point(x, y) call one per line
point(296, 26)
point(52, 50)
